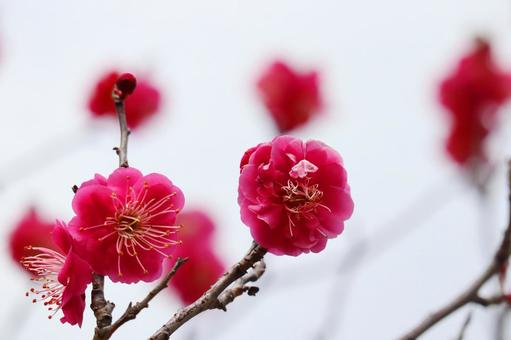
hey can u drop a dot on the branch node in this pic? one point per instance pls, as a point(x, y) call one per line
point(219, 295)
point(252, 291)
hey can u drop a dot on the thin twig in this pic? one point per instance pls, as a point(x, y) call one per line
point(132, 311)
point(210, 299)
point(464, 327)
point(486, 302)
point(122, 150)
point(471, 294)
point(464, 298)
point(240, 286)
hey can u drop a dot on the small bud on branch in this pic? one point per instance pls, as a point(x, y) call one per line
point(126, 84)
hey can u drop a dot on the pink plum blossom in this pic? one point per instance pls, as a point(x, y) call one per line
point(204, 266)
point(292, 98)
point(198, 274)
point(31, 230)
point(63, 277)
point(125, 224)
point(472, 94)
point(143, 102)
point(293, 195)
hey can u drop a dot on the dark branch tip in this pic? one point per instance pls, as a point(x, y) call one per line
point(126, 84)
point(252, 291)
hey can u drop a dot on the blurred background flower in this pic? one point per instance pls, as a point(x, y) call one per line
point(31, 230)
point(204, 265)
point(473, 94)
point(291, 98)
point(140, 106)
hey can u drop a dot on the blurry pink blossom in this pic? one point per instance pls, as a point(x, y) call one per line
point(472, 94)
point(31, 230)
point(291, 98)
point(141, 105)
point(204, 266)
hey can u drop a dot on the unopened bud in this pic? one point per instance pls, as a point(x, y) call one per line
point(126, 83)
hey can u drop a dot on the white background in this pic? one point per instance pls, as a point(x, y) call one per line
point(380, 63)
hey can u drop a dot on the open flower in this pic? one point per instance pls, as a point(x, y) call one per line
point(204, 266)
point(62, 277)
point(125, 225)
point(472, 94)
point(31, 230)
point(293, 195)
point(291, 98)
point(142, 104)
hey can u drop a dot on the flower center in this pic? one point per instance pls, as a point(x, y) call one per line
point(300, 197)
point(136, 227)
point(46, 266)
point(127, 225)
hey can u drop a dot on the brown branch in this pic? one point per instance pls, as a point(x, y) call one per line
point(132, 311)
point(102, 309)
point(471, 294)
point(211, 299)
point(491, 301)
point(120, 109)
point(240, 286)
point(464, 298)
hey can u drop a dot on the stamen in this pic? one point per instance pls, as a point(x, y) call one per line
point(301, 199)
point(46, 266)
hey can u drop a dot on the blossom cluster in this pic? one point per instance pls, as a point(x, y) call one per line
point(293, 195)
point(129, 227)
point(292, 98)
point(124, 228)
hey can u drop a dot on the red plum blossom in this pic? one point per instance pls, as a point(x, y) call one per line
point(472, 94)
point(143, 103)
point(125, 224)
point(290, 97)
point(31, 230)
point(63, 277)
point(204, 266)
point(294, 195)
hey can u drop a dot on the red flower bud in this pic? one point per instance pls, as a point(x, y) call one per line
point(126, 83)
